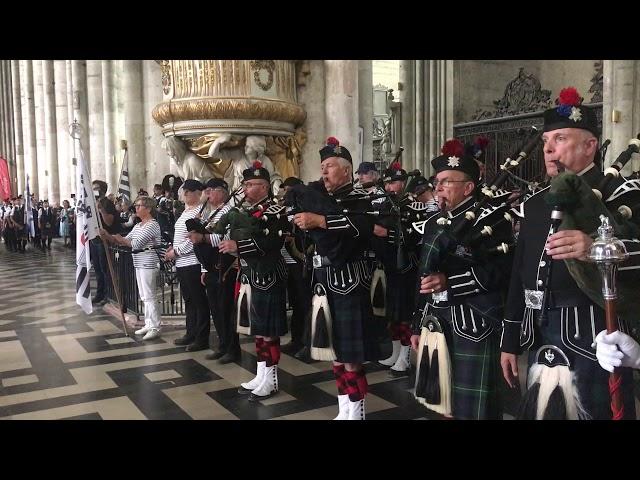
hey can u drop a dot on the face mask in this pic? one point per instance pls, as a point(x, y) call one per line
point(96, 193)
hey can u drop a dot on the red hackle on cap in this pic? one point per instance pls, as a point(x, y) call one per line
point(481, 142)
point(453, 148)
point(257, 164)
point(396, 166)
point(333, 141)
point(569, 96)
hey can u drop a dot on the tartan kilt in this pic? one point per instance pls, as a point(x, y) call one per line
point(268, 309)
point(47, 231)
point(592, 380)
point(475, 368)
point(356, 332)
point(401, 296)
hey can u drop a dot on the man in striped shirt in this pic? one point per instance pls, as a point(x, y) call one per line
point(188, 269)
point(218, 274)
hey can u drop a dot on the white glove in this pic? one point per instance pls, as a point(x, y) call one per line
point(617, 349)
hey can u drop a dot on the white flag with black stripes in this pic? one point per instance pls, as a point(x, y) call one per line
point(124, 190)
point(86, 229)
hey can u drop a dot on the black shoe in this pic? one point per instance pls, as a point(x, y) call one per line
point(182, 341)
point(196, 347)
point(214, 355)
point(256, 398)
point(95, 300)
point(304, 354)
point(291, 348)
point(399, 373)
point(229, 358)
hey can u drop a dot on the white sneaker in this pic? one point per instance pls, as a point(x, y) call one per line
point(151, 334)
point(142, 331)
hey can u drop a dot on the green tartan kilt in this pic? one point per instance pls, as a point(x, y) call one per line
point(475, 366)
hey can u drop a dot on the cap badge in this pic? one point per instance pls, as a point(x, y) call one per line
point(576, 114)
point(454, 162)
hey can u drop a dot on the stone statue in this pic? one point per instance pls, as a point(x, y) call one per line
point(286, 153)
point(385, 145)
point(188, 163)
point(242, 158)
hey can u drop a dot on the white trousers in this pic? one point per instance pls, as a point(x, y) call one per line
point(146, 279)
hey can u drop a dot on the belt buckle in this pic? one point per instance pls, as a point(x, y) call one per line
point(243, 263)
point(317, 261)
point(533, 299)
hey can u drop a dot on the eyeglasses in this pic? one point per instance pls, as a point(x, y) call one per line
point(447, 183)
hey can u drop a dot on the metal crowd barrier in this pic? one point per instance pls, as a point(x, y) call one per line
point(168, 290)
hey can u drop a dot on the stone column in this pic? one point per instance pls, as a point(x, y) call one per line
point(157, 161)
point(422, 108)
point(96, 119)
point(38, 94)
point(341, 104)
point(29, 124)
point(71, 117)
point(427, 110)
point(621, 94)
point(134, 123)
point(65, 168)
point(407, 98)
point(7, 92)
point(17, 123)
point(108, 107)
point(311, 95)
point(4, 132)
point(53, 180)
point(365, 108)
point(80, 112)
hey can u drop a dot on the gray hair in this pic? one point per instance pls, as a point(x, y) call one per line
point(148, 202)
point(346, 163)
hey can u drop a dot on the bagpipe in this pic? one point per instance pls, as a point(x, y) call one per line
point(478, 224)
point(314, 198)
point(249, 223)
point(582, 208)
point(198, 225)
point(576, 206)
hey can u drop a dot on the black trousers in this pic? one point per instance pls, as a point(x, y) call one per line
point(299, 290)
point(100, 267)
point(195, 304)
point(220, 297)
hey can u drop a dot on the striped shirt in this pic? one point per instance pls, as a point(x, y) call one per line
point(214, 237)
point(181, 243)
point(145, 235)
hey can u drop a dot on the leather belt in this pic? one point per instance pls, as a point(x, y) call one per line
point(557, 299)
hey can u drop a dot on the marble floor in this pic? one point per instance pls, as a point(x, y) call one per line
point(58, 363)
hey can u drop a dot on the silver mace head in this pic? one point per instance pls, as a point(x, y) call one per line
point(607, 252)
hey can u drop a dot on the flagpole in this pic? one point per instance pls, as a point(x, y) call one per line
point(114, 281)
point(124, 157)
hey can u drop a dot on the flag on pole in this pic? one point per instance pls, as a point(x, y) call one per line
point(124, 190)
point(28, 212)
point(86, 229)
